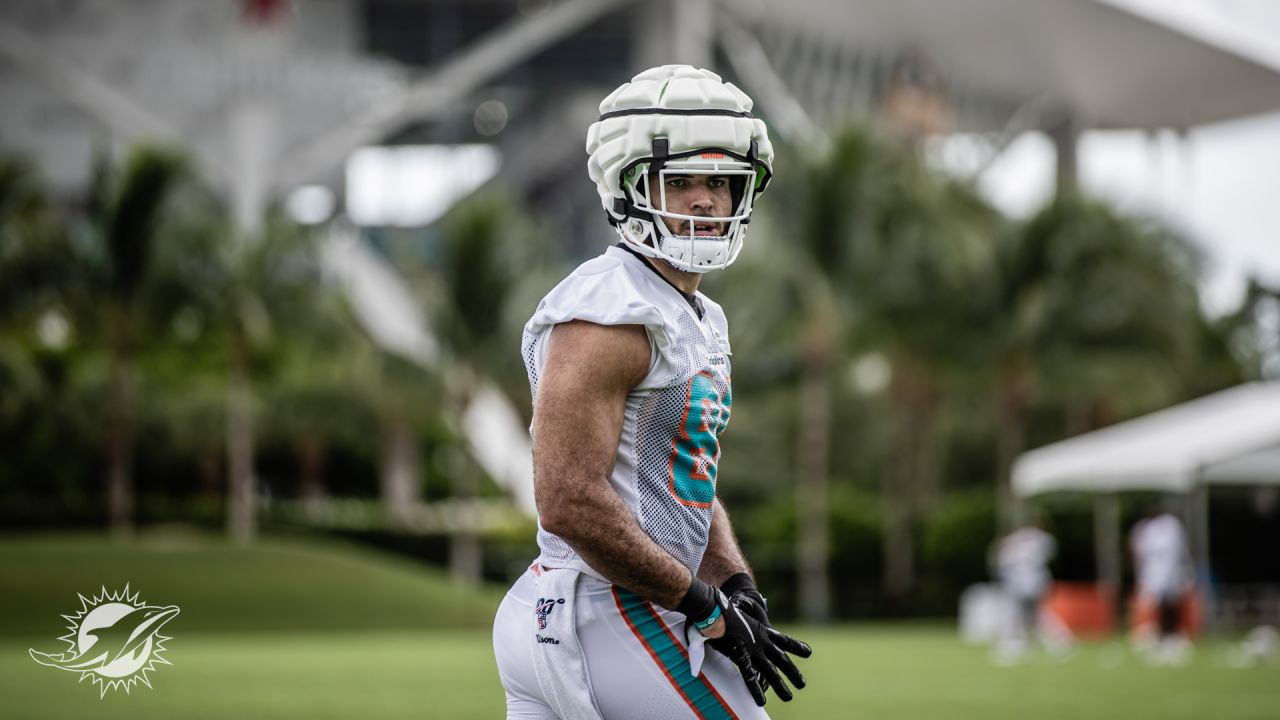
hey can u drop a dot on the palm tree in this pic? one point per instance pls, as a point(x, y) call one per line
point(408, 399)
point(324, 390)
point(923, 280)
point(252, 293)
point(490, 256)
point(896, 259)
point(1096, 308)
point(1252, 332)
point(125, 214)
point(35, 272)
point(826, 222)
point(35, 258)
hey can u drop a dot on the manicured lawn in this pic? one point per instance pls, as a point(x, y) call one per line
point(268, 675)
point(903, 672)
point(858, 672)
point(279, 583)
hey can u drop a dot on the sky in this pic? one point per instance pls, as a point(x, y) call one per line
point(1220, 184)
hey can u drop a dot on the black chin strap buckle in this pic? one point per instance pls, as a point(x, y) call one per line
point(661, 150)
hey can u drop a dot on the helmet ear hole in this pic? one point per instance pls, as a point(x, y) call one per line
point(636, 184)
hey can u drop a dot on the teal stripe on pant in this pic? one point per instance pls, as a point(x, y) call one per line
point(660, 643)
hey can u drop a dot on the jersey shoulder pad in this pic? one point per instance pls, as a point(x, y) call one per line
point(610, 290)
point(601, 291)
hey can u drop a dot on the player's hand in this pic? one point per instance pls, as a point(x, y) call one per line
point(775, 646)
point(742, 592)
point(735, 640)
point(708, 609)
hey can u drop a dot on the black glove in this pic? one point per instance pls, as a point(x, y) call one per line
point(771, 647)
point(742, 592)
point(703, 605)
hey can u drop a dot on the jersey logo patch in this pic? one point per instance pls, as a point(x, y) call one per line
point(543, 608)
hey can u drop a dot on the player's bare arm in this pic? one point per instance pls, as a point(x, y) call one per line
point(577, 423)
point(723, 558)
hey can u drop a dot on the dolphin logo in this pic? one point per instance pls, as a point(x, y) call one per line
point(123, 640)
point(115, 640)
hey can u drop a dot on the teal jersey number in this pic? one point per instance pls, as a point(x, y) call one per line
point(695, 452)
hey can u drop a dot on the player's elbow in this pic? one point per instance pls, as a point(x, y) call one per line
point(565, 514)
point(556, 523)
point(562, 514)
point(557, 513)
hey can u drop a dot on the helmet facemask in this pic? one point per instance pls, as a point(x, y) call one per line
point(691, 252)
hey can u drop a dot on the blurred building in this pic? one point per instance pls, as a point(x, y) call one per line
point(277, 95)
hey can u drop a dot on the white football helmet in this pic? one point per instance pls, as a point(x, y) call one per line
point(678, 120)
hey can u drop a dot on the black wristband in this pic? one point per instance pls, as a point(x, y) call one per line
point(699, 602)
point(738, 582)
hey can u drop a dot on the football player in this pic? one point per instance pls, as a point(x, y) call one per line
point(639, 569)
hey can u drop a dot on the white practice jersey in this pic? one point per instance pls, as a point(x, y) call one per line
point(1022, 558)
point(1160, 553)
point(665, 469)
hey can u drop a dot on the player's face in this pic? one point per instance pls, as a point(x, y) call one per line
point(699, 195)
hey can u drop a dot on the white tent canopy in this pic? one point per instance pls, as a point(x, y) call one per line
point(1229, 437)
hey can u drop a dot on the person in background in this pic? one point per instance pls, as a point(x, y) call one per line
point(1021, 563)
point(1162, 564)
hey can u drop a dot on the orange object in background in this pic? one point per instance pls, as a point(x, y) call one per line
point(1087, 609)
point(1146, 616)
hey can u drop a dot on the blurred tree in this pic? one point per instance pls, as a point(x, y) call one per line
point(410, 401)
point(126, 209)
point(33, 266)
point(183, 396)
point(923, 272)
point(1097, 310)
point(1080, 307)
point(1252, 332)
point(492, 265)
point(35, 327)
point(896, 261)
point(34, 252)
point(324, 391)
point(491, 259)
point(250, 294)
point(292, 359)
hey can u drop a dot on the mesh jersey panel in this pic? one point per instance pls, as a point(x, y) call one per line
point(666, 464)
point(679, 524)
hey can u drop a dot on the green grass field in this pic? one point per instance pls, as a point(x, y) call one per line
point(292, 629)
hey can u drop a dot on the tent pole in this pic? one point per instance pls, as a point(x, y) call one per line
point(1198, 522)
point(1106, 547)
point(1065, 137)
